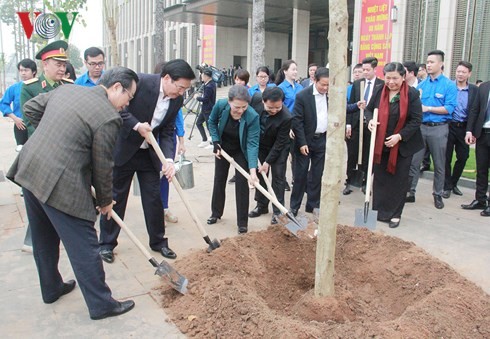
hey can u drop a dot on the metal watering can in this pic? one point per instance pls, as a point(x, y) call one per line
point(184, 172)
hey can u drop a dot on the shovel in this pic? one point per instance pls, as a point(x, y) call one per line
point(358, 174)
point(367, 218)
point(177, 281)
point(294, 226)
point(213, 244)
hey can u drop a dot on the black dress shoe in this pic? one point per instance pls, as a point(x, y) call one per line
point(232, 180)
point(394, 224)
point(123, 307)
point(168, 253)
point(213, 220)
point(485, 212)
point(438, 203)
point(257, 212)
point(347, 190)
point(287, 188)
point(474, 205)
point(446, 194)
point(67, 288)
point(242, 229)
point(107, 256)
point(424, 168)
point(294, 211)
point(274, 220)
point(457, 191)
point(410, 198)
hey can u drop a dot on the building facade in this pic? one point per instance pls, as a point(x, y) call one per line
point(219, 32)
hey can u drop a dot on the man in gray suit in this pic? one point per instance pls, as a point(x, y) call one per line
point(71, 151)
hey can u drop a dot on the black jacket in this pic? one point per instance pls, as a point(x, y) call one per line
point(412, 141)
point(478, 110)
point(353, 119)
point(208, 98)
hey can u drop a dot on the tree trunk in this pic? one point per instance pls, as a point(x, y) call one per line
point(159, 32)
point(258, 34)
point(111, 14)
point(335, 152)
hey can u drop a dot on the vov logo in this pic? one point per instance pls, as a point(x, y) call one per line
point(47, 25)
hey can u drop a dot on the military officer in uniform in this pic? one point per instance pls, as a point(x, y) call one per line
point(54, 59)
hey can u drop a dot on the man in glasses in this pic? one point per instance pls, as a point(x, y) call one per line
point(95, 62)
point(154, 108)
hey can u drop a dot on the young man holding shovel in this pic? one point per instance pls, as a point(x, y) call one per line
point(275, 123)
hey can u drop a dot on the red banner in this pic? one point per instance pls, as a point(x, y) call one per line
point(376, 32)
point(208, 49)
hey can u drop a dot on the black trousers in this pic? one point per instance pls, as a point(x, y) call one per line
point(201, 119)
point(48, 226)
point(353, 152)
point(389, 190)
point(20, 135)
point(482, 153)
point(149, 180)
point(310, 183)
point(278, 182)
point(455, 141)
point(221, 168)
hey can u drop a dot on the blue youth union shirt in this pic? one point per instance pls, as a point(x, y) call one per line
point(438, 92)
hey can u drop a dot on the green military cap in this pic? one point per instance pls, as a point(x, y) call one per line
point(55, 50)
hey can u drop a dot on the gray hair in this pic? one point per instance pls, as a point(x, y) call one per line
point(123, 75)
point(239, 92)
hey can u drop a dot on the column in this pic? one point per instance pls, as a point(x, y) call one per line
point(249, 49)
point(356, 36)
point(301, 39)
point(446, 31)
point(398, 32)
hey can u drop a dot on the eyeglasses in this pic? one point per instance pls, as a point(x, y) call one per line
point(129, 94)
point(179, 87)
point(96, 64)
point(262, 76)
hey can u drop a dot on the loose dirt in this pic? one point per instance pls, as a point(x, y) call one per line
point(260, 285)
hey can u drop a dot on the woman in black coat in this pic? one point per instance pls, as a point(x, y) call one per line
point(398, 138)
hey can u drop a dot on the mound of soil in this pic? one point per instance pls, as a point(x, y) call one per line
point(261, 285)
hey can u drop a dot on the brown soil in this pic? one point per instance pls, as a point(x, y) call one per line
point(261, 286)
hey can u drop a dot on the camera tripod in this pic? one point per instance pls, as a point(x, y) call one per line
point(193, 106)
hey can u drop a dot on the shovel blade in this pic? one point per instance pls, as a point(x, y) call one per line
point(293, 224)
point(362, 221)
point(174, 278)
point(357, 178)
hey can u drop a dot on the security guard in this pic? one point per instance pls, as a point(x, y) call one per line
point(54, 60)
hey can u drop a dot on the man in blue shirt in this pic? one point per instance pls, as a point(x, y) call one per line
point(439, 99)
point(10, 102)
point(457, 129)
point(95, 61)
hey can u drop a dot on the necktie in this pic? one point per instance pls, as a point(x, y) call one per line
point(366, 92)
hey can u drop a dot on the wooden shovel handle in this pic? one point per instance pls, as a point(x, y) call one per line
point(369, 177)
point(361, 126)
point(177, 186)
point(129, 233)
point(262, 190)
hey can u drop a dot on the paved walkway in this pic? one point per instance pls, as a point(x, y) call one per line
point(460, 238)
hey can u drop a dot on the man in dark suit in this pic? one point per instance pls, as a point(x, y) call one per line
point(352, 120)
point(311, 76)
point(457, 130)
point(70, 152)
point(310, 129)
point(153, 110)
point(478, 130)
point(275, 124)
